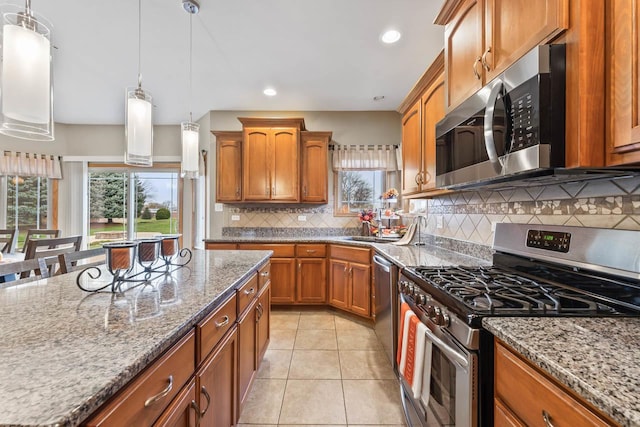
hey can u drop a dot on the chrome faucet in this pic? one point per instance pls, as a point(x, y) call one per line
point(420, 221)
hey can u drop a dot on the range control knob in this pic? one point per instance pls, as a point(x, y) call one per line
point(431, 311)
point(440, 318)
point(403, 285)
point(421, 299)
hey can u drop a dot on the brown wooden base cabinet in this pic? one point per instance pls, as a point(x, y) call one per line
point(182, 412)
point(350, 279)
point(527, 396)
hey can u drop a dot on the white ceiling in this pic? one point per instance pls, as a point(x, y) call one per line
point(318, 55)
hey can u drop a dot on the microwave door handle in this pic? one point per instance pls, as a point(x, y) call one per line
point(450, 352)
point(489, 142)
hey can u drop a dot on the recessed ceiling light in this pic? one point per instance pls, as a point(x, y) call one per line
point(390, 36)
point(378, 98)
point(269, 91)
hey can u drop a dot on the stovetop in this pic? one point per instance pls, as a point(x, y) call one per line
point(504, 291)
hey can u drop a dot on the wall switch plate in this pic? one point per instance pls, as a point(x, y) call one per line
point(218, 207)
point(440, 221)
point(235, 217)
point(302, 217)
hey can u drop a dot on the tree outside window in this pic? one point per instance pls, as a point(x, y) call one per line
point(26, 204)
point(358, 190)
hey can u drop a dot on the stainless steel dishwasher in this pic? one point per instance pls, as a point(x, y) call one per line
point(386, 282)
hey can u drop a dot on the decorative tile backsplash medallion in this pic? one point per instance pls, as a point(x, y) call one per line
point(469, 216)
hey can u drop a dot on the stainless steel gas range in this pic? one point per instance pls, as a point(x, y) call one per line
point(537, 270)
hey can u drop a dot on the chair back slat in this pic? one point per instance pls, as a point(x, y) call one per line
point(47, 248)
point(73, 261)
point(7, 240)
point(23, 269)
point(33, 234)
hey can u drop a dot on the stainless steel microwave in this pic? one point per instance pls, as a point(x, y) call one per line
point(512, 128)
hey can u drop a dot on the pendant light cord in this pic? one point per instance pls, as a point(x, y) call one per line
point(190, 67)
point(139, 44)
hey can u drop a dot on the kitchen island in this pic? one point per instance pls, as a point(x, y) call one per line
point(597, 359)
point(65, 352)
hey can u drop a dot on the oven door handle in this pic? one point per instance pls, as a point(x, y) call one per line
point(447, 350)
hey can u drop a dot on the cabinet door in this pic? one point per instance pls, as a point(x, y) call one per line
point(411, 150)
point(624, 82)
point(312, 281)
point(360, 289)
point(502, 416)
point(506, 40)
point(263, 318)
point(463, 47)
point(256, 164)
point(217, 379)
point(285, 172)
point(182, 411)
point(283, 280)
point(315, 167)
point(247, 360)
point(229, 167)
point(339, 283)
point(432, 113)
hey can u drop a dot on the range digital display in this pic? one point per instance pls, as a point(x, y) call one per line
point(557, 241)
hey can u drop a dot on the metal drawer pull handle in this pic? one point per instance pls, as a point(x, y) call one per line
point(225, 321)
point(206, 396)
point(311, 251)
point(485, 65)
point(475, 71)
point(547, 419)
point(264, 274)
point(153, 399)
point(196, 408)
point(250, 291)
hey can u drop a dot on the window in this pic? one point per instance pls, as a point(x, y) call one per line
point(27, 206)
point(358, 190)
point(116, 214)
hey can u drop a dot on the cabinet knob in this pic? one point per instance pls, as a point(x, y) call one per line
point(265, 274)
point(485, 65)
point(475, 70)
point(547, 419)
point(250, 291)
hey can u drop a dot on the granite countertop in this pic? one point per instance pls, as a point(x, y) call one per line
point(65, 351)
point(433, 254)
point(596, 358)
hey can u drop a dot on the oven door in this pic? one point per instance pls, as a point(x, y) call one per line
point(452, 398)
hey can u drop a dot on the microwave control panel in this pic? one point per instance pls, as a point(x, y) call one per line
point(549, 240)
point(524, 116)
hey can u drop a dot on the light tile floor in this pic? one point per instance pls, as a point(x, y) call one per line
point(324, 369)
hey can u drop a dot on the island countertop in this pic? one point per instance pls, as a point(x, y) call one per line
point(595, 357)
point(65, 351)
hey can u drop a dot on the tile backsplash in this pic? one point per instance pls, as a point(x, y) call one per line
point(469, 216)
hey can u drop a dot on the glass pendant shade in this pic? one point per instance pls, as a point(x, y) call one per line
point(190, 150)
point(27, 92)
point(139, 128)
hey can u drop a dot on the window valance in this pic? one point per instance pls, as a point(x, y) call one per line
point(365, 157)
point(30, 164)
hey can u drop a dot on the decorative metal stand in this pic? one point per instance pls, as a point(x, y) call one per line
point(135, 263)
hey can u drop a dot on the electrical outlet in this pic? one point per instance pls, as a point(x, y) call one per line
point(235, 217)
point(302, 217)
point(218, 207)
point(440, 221)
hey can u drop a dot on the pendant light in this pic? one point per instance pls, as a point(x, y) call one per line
point(27, 89)
point(138, 124)
point(190, 130)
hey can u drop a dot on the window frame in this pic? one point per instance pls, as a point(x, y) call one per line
point(336, 185)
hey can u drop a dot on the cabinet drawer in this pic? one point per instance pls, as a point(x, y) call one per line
point(221, 246)
point(528, 393)
point(347, 253)
point(247, 292)
point(311, 251)
point(215, 325)
point(279, 250)
point(146, 397)
point(264, 275)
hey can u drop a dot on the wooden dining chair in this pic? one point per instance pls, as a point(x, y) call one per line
point(73, 261)
point(46, 248)
point(23, 271)
point(33, 234)
point(8, 240)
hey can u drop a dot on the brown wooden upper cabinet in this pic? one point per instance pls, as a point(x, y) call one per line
point(229, 166)
point(623, 50)
point(315, 166)
point(483, 37)
point(419, 131)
